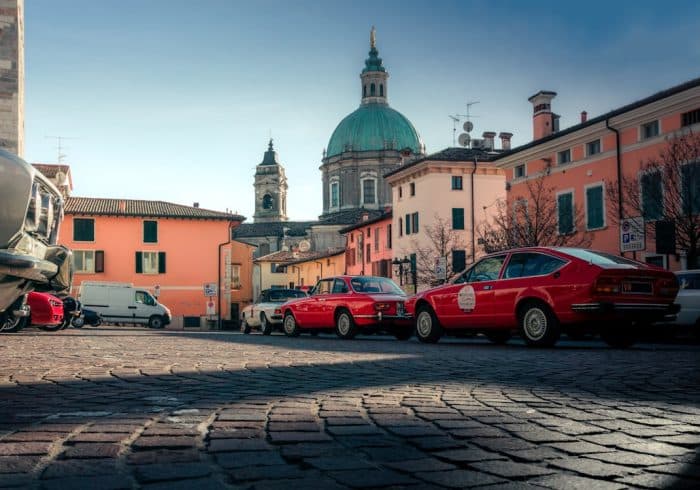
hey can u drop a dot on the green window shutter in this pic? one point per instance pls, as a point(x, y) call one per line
point(139, 263)
point(652, 202)
point(415, 222)
point(408, 224)
point(99, 261)
point(161, 262)
point(566, 212)
point(457, 218)
point(690, 194)
point(83, 230)
point(594, 202)
point(150, 232)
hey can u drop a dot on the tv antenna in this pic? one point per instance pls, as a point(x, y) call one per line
point(455, 121)
point(465, 138)
point(61, 156)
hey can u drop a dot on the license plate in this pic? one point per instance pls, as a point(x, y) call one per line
point(637, 287)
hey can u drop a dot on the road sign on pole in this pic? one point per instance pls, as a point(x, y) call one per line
point(210, 289)
point(441, 268)
point(632, 236)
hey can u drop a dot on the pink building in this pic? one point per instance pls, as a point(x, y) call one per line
point(584, 161)
point(170, 249)
point(368, 249)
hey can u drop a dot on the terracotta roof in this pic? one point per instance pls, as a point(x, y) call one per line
point(50, 170)
point(295, 228)
point(360, 224)
point(289, 257)
point(466, 155)
point(130, 207)
point(348, 217)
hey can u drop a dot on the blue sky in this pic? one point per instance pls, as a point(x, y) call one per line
point(175, 100)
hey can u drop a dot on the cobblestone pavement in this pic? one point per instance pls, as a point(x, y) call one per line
point(130, 408)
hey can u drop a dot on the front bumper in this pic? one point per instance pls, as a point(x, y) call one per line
point(54, 271)
point(642, 311)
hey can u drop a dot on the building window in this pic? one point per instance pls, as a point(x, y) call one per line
point(352, 237)
point(83, 230)
point(408, 224)
point(88, 261)
point(150, 262)
point(564, 157)
point(381, 90)
point(335, 194)
point(277, 268)
point(565, 212)
point(412, 187)
point(235, 276)
point(414, 218)
point(595, 208)
point(690, 191)
point(652, 195)
point(388, 236)
point(372, 89)
point(400, 227)
point(457, 218)
point(376, 240)
point(364, 91)
point(400, 192)
point(369, 191)
point(267, 202)
point(456, 182)
point(592, 148)
point(150, 231)
point(459, 261)
point(369, 253)
point(519, 171)
point(649, 130)
point(690, 118)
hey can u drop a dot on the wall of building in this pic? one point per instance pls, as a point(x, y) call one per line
point(192, 258)
point(240, 293)
point(12, 76)
point(376, 235)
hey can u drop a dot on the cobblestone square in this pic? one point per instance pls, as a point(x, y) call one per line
point(113, 407)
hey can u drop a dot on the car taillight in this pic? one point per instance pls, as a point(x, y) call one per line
point(606, 285)
point(668, 287)
point(381, 306)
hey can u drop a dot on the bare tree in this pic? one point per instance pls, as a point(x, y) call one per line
point(533, 220)
point(442, 241)
point(667, 188)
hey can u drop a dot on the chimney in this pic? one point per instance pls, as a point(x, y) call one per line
point(505, 140)
point(488, 139)
point(542, 117)
point(584, 116)
point(122, 206)
point(195, 205)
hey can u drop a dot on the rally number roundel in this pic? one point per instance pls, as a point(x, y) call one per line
point(466, 299)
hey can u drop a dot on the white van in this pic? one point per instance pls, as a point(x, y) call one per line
point(120, 302)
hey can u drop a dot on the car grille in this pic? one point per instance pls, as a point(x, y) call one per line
point(44, 213)
point(637, 287)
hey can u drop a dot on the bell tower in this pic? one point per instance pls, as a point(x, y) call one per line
point(270, 189)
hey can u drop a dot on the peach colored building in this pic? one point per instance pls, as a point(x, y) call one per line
point(238, 273)
point(368, 249)
point(582, 160)
point(167, 248)
point(457, 186)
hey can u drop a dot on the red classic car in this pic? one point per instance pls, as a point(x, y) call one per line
point(542, 291)
point(349, 304)
point(45, 311)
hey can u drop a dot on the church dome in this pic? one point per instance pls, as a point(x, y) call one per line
point(374, 126)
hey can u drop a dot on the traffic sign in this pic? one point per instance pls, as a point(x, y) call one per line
point(211, 308)
point(632, 235)
point(441, 268)
point(210, 289)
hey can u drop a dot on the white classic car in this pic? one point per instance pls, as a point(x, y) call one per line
point(262, 314)
point(689, 299)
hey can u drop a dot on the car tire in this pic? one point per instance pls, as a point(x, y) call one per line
point(428, 329)
point(499, 337)
point(245, 328)
point(265, 325)
point(78, 322)
point(98, 322)
point(619, 337)
point(156, 322)
point(12, 324)
point(537, 324)
point(291, 329)
point(345, 326)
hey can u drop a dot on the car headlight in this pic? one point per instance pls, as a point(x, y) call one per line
point(46, 218)
point(31, 220)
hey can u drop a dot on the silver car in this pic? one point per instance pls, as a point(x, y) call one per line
point(31, 210)
point(689, 299)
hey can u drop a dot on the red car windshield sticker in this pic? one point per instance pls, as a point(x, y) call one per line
point(466, 299)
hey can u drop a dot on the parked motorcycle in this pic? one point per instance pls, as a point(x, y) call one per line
point(72, 309)
point(87, 317)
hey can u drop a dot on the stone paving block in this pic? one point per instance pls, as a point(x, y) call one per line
point(580, 447)
point(416, 431)
point(271, 472)
point(499, 444)
point(510, 469)
point(293, 427)
point(371, 478)
point(31, 437)
point(219, 445)
point(304, 483)
point(459, 478)
point(535, 455)
point(248, 458)
point(164, 442)
point(648, 480)
point(17, 448)
point(309, 450)
point(77, 467)
point(342, 430)
point(572, 482)
point(392, 453)
point(189, 484)
point(544, 435)
point(152, 456)
point(162, 471)
point(91, 450)
point(418, 465)
point(99, 437)
point(435, 443)
point(233, 433)
point(467, 455)
point(105, 482)
point(629, 458)
point(291, 437)
point(18, 464)
point(591, 467)
point(340, 462)
point(615, 439)
point(656, 448)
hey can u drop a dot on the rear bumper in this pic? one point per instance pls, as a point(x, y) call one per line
point(642, 311)
point(379, 318)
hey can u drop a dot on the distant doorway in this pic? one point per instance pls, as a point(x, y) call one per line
point(235, 315)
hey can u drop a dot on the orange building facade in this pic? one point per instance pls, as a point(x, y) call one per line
point(169, 249)
point(583, 161)
point(368, 249)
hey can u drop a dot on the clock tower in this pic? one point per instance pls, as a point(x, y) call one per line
point(270, 189)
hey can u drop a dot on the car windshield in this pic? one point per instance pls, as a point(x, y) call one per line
point(598, 258)
point(370, 284)
point(285, 295)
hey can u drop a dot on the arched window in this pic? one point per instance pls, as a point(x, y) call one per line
point(381, 90)
point(267, 201)
point(364, 91)
point(372, 90)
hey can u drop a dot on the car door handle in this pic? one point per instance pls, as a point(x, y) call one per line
point(132, 307)
point(487, 288)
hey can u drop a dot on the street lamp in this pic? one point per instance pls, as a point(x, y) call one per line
point(405, 266)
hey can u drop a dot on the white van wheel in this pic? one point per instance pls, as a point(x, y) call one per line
point(155, 322)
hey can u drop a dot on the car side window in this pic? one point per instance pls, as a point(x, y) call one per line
point(140, 297)
point(689, 281)
point(515, 266)
point(486, 269)
point(323, 287)
point(339, 287)
point(531, 264)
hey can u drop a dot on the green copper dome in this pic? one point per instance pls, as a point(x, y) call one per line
point(374, 127)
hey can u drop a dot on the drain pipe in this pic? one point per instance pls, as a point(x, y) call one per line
point(618, 155)
point(473, 217)
point(218, 284)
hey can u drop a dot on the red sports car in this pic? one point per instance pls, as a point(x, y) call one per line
point(349, 304)
point(46, 311)
point(540, 291)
